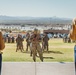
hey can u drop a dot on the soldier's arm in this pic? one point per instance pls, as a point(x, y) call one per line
point(16, 40)
point(31, 37)
point(39, 38)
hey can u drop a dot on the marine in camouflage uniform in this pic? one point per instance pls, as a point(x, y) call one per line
point(65, 39)
point(35, 45)
point(9, 39)
point(19, 41)
point(45, 42)
point(28, 41)
point(12, 39)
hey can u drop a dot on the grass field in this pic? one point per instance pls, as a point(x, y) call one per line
point(58, 52)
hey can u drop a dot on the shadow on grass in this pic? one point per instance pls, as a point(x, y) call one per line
point(38, 56)
point(57, 52)
point(26, 52)
point(46, 57)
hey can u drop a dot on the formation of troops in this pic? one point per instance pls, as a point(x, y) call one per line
point(9, 39)
point(34, 42)
point(66, 39)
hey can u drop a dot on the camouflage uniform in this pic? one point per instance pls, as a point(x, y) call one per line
point(12, 39)
point(9, 39)
point(35, 46)
point(28, 41)
point(65, 39)
point(19, 41)
point(45, 42)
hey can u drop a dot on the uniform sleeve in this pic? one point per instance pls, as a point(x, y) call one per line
point(31, 37)
point(16, 39)
point(39, 37)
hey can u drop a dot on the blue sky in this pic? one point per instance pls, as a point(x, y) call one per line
point(38, 8)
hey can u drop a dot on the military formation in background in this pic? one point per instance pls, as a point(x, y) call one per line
point(35, 43)
point(66, 40)
point(9, 39)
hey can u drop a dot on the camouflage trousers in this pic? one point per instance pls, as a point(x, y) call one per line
point(27, 45)
point(45, 46)
point(20, 46)
point(36, 48)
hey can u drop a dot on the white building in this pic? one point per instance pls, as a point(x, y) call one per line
point(32, 27)
point(10, 27)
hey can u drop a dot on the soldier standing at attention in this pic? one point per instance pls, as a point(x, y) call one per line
point(45, 42)
point(22, 42)
point(28, 41)
point(9, 39)
point(35, 45)
point(13, 39)
point(19, 41)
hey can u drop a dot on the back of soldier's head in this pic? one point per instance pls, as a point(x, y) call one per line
point(19, 35)
point(35, 31)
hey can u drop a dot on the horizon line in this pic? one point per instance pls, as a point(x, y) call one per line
point(37, 16)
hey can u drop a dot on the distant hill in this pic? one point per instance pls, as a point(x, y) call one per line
point(33, 20)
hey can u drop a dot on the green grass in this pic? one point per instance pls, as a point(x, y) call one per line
point(58, 52)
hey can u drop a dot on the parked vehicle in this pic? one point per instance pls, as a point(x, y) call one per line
point(50, 35)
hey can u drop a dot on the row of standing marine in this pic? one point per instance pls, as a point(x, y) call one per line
point(9, 39)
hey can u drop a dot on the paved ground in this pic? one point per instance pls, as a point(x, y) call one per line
point(38, 68)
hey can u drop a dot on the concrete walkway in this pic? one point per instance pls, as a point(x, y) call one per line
point(16, 68)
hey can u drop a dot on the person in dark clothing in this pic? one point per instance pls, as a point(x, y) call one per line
point(9, 39)
point(12, 39)
point(45, 42)
point(28, 41)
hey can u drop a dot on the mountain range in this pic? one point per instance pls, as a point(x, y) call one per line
point(33, 20)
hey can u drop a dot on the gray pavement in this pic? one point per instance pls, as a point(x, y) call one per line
point(30, 68)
